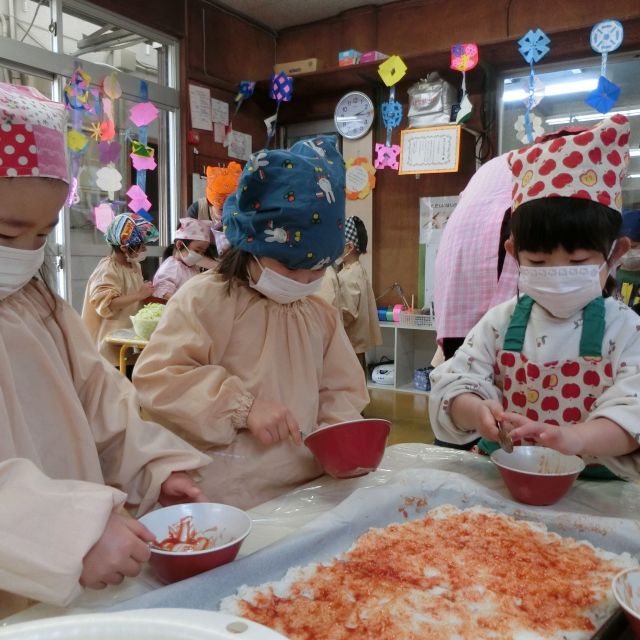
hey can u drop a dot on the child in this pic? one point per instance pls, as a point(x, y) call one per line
point(559, 364)
point(192, 242)
point(116, 288)
point(628, 273)
point(245, 361)
point(349, 290)
point(73, 448)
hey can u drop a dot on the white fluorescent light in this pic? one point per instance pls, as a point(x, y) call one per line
point(634, 175)
point(590, 117)
point(557, 89)
point(634, 153)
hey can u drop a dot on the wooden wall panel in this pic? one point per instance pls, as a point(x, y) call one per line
point(164, 15)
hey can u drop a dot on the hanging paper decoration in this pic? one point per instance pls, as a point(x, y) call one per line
point(392, 70)
point(79, 100)
point(360, 178)
point(142, 115)
point(464, 57)
point(103, 215)
point(245, 91)
point(109, 152)
point(281, 90)
point(111, 87)
point(521, 130)
point(109, 179)
point(533, 46)
point(606, 36)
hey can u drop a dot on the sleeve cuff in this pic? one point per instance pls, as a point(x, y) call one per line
point(240, 415)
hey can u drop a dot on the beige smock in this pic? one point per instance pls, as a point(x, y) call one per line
point(69, 424)
point(350, 291)
point(110, 280)
point(212, 354)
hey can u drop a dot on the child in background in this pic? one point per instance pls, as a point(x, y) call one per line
point(73, 449)
point(628, 273)
point(559, 364)
point(245, 361)
point(116, 288)
point(192, 242)
point(349, 290)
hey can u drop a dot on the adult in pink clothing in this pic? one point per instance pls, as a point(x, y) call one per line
point(473, 270)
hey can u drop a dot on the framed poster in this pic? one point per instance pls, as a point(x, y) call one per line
point(430, 150)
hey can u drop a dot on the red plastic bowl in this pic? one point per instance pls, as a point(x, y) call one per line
point(233, 526)
point(350, 449)
point(537, 475)
point(626, 589)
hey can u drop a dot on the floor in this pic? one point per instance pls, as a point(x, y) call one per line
point(408, 413)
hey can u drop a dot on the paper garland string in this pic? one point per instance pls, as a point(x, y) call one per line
point(391, 71)
point(606, 36)
point(533, 46)
point(464, 57)
point(280, 90)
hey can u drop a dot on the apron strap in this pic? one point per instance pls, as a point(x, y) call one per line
point(593, 326)
point(514, 339)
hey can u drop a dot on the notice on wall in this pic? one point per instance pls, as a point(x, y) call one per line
point(219, 132)
point(199, 186)
point(434, 214)
point(239, 145)
point(200, 107)
point(219, 111)
point(430, 150)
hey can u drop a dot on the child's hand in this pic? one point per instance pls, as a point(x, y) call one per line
point(488, 412)
point(179, 488)
point(119, 552)
point(271, 422)
point(145, 291)
point(565, 439)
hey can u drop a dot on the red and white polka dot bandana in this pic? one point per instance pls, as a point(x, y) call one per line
point(573, 163)
point(32, 134)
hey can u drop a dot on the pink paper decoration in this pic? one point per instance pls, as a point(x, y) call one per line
point(143, 113)
point(139, 199)
point(102, 216)
point(464, 57)
point(387, 156)
point(142, 163)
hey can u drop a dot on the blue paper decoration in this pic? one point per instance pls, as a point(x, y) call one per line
point(604, 96)
point(245, 90)
point(606, 36)
point(281, 87)
point(391, 114)
point(534, 45)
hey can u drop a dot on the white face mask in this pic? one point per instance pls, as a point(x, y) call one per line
point(17, 267)
point(631, 260)
point(139, 257)
point(562, 291)
point(191, 259)
point(281, 289)
point(340, 259)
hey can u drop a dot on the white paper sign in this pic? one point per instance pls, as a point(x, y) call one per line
point(434, 214)
point(430, 150)
point(200, 106)
point(218, 132)
point(357, 178)
point(239, 145)
point(199, 186)
point(219, 111)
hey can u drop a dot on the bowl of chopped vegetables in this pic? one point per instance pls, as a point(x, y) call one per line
point(196, 537)
point(146, 320)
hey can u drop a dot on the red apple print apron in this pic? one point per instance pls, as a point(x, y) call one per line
point(557, 392)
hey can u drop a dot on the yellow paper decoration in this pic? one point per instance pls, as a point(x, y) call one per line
point(360, 178)
point(392, 70)
point(76, 141)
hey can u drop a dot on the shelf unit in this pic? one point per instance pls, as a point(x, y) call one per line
point(410, 348)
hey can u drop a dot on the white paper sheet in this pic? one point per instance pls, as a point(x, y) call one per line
point(200, 107)
point(239, 145)
point(219, 111)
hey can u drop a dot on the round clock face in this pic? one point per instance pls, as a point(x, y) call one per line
point(354, 115)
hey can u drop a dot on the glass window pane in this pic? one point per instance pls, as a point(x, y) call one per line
point(27, 21)
point(563, 103)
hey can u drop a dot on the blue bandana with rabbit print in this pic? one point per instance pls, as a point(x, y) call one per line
point(290, 205)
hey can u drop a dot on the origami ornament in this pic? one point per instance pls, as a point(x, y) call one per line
point(521, 131)
point(111, 87)
point(360, 178)
point(392, 70)
point(139, 201)
point(107, 130)
point(76, 141)
point(143, 114)
point(109, 179)
point(533, 46)
point(606, 36)
point(103, 215)
point(109, 152)
point(95, 129)
point(387, 156)
point(142, 156)
point(391, 114)
point(464, 57)
point(281, 90)
point(77, 92)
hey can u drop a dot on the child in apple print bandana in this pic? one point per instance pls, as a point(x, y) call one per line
point(560, 363)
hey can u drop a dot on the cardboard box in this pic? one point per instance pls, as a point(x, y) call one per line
point(372, 56)
point(348, 57)
point(308, 65)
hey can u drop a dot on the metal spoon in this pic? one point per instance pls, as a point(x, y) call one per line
point(504, 438)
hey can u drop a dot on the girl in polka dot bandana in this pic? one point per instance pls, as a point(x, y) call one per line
point(70, 426)
point(559, 364)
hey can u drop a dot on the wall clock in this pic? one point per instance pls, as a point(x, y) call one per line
point(354, 115)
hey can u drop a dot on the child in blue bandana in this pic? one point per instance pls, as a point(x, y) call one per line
point(246, 360)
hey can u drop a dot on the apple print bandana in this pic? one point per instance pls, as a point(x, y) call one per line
point(574, 163)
